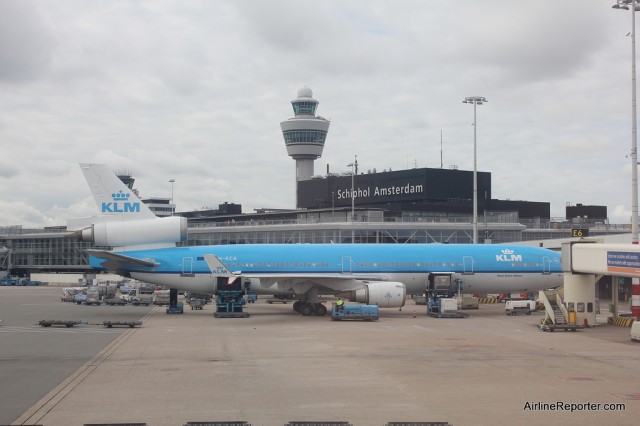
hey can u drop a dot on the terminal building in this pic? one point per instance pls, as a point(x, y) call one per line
point(421, 205)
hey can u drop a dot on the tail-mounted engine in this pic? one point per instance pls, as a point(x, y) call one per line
point(159, 230)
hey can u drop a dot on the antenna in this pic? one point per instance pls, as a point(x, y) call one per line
point(441, 148)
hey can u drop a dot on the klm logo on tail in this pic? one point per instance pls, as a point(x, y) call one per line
point(120, 204)
point(508, 256)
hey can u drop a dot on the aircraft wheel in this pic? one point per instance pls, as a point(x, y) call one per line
point(296, 305)
point(319, 310)
point(306, 309)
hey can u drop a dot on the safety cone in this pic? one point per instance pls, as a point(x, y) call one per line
point(414, 313)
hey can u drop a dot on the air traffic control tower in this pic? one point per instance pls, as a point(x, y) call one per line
point(304, 134)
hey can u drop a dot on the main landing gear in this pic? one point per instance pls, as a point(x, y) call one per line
point(306, 309)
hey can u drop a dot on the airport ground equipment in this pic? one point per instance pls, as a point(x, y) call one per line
point(49, 323)
point(174, 307)
point(24, 281)
point(93, 296)
point(137, 297)
point(442, 307)
point(420, 299)
point(635, 331)
point(440, 291)
point(284, 299)
point(468, 301)
point(230, 304)
point(177, 309)
point(515, 307)
point(230, 299)
point(355, 312)
point(130, 324)
point(9, 280)
point(553, 327)
point(115, 301)
point(197, 304)
point(251, 298)
point(80, 298)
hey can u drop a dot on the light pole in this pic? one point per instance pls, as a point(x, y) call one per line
point(333, 207)
point(172, 181)
point(635, 283)
point(353, 194)
point(475, 100)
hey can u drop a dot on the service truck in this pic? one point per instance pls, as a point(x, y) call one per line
point(93, 296)
point(161, 297)
point(138, 298)
point(515, 307)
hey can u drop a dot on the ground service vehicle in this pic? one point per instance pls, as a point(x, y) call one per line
point(197, 304)
point(635, 331)
point(93, 296)
point(80, 298)
point(354, 312)
point(515, 307)
point(468, 302)
point(161, 297)
point(137, 298)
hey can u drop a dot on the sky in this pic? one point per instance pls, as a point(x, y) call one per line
point(195, 91)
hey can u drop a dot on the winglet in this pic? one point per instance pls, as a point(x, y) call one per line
point(218, 268)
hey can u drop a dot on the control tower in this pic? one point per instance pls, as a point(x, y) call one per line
point(304, 134)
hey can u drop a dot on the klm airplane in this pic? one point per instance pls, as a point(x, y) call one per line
point(383, 274)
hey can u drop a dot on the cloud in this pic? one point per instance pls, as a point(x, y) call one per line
point(25, 42)
point(195, 91)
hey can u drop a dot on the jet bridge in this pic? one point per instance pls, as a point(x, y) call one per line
point(584, 262)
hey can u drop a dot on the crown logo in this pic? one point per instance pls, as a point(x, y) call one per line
point(507, 251)
point(120, 196)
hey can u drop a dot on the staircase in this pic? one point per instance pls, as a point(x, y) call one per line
point(558, 317)
point(553, 311)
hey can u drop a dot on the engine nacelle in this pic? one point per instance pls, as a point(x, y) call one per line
point(159, 230)
point(384, 294)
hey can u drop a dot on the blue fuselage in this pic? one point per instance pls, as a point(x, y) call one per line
point(488, 268)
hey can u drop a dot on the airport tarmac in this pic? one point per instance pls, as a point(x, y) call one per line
point(277, 366)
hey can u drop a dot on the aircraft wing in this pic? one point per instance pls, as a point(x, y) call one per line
point(116, 261)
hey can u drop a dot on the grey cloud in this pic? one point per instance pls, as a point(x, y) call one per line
point(25, 41)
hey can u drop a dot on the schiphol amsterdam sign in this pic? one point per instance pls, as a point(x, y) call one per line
point(623, 261)
point(380, 191)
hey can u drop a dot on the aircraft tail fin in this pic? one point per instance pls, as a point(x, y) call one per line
point(114, 199)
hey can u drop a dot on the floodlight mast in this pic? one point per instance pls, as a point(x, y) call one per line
point(475, 100)
point(635, 283)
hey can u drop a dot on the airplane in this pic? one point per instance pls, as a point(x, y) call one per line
point(145, 248)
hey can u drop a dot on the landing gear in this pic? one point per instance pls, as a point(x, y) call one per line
point(307, 309)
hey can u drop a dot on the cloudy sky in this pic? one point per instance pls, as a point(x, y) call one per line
point(195, 91)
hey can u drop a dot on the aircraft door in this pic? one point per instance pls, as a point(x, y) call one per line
point(187, 266)
point(467, 267)
point(546, 265)
point(346, 264)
